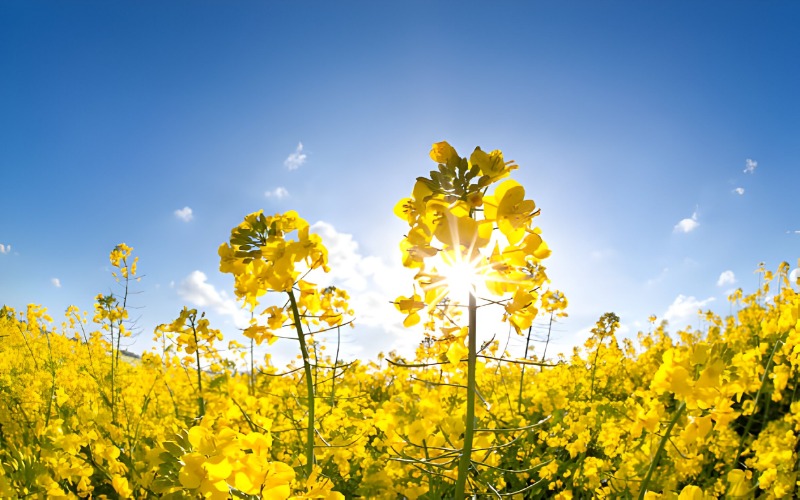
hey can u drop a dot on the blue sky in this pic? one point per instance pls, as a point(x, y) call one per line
point(634, 124)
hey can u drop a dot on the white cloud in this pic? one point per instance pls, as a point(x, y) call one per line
point(685, 308)
point(184, 214)
point(750, 166)
point(726, 278)
point(794, 275)
point(56, 282)
point(279, 193)
point(296, 159)
point(344, 260)
point(196, 290)
point(372, 285)
point(739, 191)
point(687, 225)
point(356, 272)
point(5, 248)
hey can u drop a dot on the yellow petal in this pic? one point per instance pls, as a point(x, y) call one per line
point(442, 152)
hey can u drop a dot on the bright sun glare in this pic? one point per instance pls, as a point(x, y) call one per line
point(461, 276)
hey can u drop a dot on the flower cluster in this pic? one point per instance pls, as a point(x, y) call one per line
point(453, 238)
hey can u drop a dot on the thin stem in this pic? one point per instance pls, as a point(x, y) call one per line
point(201, 404)
point(309, 385)
point(252, 371)
point(469, 430)
point(764, 379)
point(513, 361)
point(594, 368)
point(33, 356)
point(522, 372)
point(660, 449)
point(547, 342)
point(52, 380)
point(335, 362)
point(115, 351)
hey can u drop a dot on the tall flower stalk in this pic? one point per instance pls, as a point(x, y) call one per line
point(193, 336)
point(112, 315)
point(274, 254)
point(462, 239)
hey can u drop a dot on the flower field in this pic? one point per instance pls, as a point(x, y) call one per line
point(713, 413)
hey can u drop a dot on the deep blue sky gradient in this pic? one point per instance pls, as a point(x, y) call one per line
point(625, 118)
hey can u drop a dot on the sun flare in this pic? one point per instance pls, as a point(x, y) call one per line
point(460, 275)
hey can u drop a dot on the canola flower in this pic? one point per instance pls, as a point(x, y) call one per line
point(710, 413)
point(451, 224)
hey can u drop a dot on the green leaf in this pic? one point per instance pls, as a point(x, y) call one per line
point(173, 448)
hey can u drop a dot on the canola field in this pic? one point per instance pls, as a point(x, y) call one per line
point(712, 413)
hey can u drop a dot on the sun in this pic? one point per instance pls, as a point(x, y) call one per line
point(459, 274)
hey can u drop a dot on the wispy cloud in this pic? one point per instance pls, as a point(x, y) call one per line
point(750, 166)
point(279, 193)
point(196, 290)
point(296, 159)
point(739, 191)
point(5, 248)
point(56, 282)
point(184, 214)
point(726, 278)
point(687, 225)
point(685, 308)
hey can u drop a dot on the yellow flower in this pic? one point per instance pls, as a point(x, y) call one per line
point(462, 231)
point(192, 473)
point(457, 351)
point(491, 164)
point(120, 485)
point(277, 482)
point(691, 492)
point(442, 152)
point(410, 306)
point(510, 209)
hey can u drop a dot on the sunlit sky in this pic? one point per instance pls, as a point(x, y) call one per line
point(660, 139)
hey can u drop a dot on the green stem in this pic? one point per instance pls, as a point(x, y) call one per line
point(335, 364)
point(522, 372)
point(52, 380)
point(594, 368)
point(469, 430)
point(764, 380)
point(115, 351)
point(113, 371)
point(309, 385)
point(33, 356)
point(660, 449)
point(201, 404)
point(252, 371)
point(547, 342)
